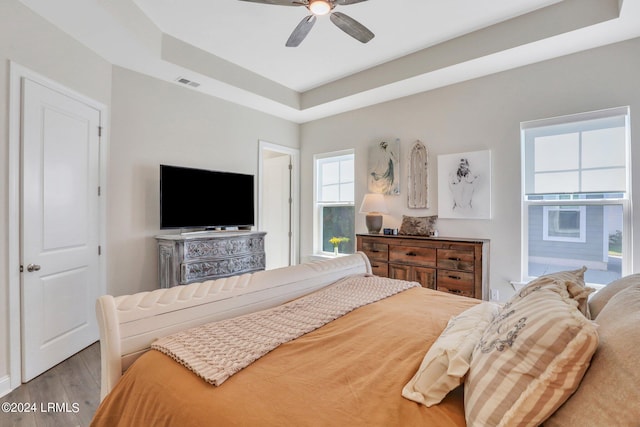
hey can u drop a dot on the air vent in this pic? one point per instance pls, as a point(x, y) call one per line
point(187, 82)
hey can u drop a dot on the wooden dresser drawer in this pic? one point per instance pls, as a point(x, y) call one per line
point(376, 251)
point(456, 282)
point(412, 255)
point(379, 268)
point(456, 259)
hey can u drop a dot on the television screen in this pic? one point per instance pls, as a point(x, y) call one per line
point(198, 198)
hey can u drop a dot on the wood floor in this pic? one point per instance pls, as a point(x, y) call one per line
point(74, 385)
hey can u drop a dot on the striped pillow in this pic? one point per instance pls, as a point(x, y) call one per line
point(571, 281)
point(530, 359)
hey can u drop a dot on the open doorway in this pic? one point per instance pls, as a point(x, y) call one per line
point(278, 203)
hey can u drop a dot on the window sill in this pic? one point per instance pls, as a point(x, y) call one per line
point(325, 255)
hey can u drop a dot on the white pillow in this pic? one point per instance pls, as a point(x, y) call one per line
point(446, 363)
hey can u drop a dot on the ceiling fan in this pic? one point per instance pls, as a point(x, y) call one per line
point(319, 8)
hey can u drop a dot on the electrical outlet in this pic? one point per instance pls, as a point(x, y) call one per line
point(495, 295)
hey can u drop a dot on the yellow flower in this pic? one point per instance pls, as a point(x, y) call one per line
point(335, 241)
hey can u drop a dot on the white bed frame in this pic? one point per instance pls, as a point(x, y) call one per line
point(130, 323)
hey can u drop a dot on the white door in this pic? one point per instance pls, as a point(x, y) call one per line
point(277, 209)
point(59, 227)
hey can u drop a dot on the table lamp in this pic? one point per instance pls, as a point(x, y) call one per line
point(374, 206)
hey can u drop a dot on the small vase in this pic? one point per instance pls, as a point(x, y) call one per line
point(335, 251)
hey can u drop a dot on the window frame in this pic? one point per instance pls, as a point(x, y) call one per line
point(318, 206)
point(574, 199)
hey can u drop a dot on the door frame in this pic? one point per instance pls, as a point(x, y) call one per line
point(17, 73)
point(295, 180)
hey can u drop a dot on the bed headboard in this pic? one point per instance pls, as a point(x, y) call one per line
point(130, 323)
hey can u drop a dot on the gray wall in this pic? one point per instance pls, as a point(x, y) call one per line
point(482, 114)
point(155, 122)
point(32, 42)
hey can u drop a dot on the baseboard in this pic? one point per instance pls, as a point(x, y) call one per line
point(5, 385)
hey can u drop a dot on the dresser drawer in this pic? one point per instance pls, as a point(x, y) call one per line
point(456, 282)
point(456, 259)
point(376, 251)
point(412, 255)
point(380, 269)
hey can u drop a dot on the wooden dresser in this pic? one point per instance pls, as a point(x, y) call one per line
point(459, 266)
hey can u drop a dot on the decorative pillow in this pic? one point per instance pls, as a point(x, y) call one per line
point(609, 394)
point(447, 361)
point(530, 359)
point(417, 225)
point(571, 281)
point(600, 298)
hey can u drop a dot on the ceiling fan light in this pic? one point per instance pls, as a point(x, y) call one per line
point(319, 7)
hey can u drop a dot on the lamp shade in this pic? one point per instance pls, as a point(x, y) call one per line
point(373, 202)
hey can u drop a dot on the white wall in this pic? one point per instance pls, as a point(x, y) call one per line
point(32, 42)
point(478, 115)
point(153, 123)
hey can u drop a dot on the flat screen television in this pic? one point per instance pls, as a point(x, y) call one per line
point(198, 198)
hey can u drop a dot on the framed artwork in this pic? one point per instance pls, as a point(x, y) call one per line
point(384, 168)
point(464, 185)
point(418, 186)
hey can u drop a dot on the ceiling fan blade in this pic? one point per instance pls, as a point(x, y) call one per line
point(278, 2)
point(347, 2)
point(352, 27)
point(301, 31)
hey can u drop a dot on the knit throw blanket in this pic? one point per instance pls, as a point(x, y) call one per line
point(217, 350)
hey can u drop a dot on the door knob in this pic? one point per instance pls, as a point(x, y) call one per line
point(33, 267)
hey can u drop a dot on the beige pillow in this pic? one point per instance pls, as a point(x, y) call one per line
point(447, 361)
point(530, 358)
point(600, 298)
point(609, 394)
point(571, 281)
point(417, 225)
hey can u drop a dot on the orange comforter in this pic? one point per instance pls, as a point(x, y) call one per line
point(349, 372)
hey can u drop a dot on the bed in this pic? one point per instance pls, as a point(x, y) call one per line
point(367, 367)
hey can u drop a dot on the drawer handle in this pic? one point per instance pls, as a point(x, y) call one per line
point(454, 259)
point(454, 277)
point(375, 251)
point(455, 291)
point(411, 254)
point(375, 266)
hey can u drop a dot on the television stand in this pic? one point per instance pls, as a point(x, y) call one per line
point(208, 255)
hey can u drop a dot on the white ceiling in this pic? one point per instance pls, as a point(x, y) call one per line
point(235, 49)
point(253, 35)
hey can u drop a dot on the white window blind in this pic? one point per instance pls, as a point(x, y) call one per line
point(336, 179)
point(586, 154)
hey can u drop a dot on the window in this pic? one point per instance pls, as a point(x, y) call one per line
point(334, 214)
point(564, 223)
point(576, 195)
